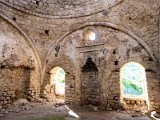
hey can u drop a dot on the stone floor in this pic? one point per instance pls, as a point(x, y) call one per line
point(30, 111)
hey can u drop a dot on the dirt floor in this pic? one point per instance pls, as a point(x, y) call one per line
point(48, 111)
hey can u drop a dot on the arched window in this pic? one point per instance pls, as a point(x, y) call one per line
point(58, 78)
point(133, 81)
point(89, 35)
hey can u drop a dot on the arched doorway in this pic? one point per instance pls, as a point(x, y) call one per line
point(133, 85)
point(57, 80)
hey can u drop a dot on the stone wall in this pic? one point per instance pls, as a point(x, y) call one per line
point(15, 84)
point(109, 57)
point(68, 66)
point(126, 30)
point(19, 76)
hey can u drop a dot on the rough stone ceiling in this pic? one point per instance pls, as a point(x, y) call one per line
point(61, 8)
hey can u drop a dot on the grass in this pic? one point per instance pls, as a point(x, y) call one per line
point(51, 117)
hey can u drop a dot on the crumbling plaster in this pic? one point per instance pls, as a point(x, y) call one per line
point(45, 33)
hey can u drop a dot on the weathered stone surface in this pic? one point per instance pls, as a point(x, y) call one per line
point(62, 8)
point(34, 39)
point(20, 102)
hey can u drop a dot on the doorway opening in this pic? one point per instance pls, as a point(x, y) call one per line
point(57, 80)
point(133, 85)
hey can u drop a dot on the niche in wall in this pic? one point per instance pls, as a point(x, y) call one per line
point(90, 86)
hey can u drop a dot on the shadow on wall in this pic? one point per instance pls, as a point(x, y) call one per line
point(24, 92)
point(14, 83)
point(90, 86)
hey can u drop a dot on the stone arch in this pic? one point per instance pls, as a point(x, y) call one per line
point(68, 66)
point(103, 24)
point(28, 41)
point(114, 72)
point(150, 71)
point(106, 24)
point(115, 27)
point(139, 88)
point(57, 79)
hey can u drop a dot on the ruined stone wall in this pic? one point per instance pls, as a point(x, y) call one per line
point(109, 57)
point(141, 17)
point(14, 84)
point(56, 28)
point(68, 66)
point(19, 75)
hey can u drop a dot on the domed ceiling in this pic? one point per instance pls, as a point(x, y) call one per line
point(61, 8)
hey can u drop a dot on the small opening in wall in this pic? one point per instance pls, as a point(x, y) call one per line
point(116, 62)
point(47, 32)
point(2, 66)
point(114, 52)
point(90, 35)
point(57, 48)
point(149, 70)
point(37, 2)
point(150, 59)
point(116, 70)
point(14, 18)
point(130, 18)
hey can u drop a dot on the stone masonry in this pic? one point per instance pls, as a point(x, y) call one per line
point(38, 35)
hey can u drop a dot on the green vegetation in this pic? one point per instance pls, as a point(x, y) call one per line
point(61, 76)
point(132, 88)
point(51, 117)
point(133, 75)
